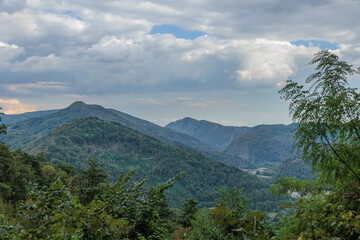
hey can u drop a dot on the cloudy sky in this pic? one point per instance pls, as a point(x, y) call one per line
point(162, 60)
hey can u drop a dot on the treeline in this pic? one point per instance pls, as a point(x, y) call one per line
point(119, 149)
point(44, 201)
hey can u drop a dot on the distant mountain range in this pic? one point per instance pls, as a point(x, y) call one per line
point(217, 136)
point(119, 149)
point(120, 142)
point(244, 147)
point(21, 133)
point(14, 118)
point(263, 145)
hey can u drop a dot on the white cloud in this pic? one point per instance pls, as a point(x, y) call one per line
point(41, 64)
point(14, 106)
point(163, 62)
point(26, 88)
point(268, 62)
point(155, 59)
point(8, 52)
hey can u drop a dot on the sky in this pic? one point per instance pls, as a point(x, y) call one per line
point(222, 61)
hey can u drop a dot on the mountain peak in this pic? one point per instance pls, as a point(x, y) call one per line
point(213, 134)
point(188, 119)
point(78, 104)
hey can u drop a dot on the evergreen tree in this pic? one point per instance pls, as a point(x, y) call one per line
point(188, 211)
point(90, 182)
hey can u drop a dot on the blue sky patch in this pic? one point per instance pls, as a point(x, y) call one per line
point(176, 31)
point(72, 14)
point(316, 43)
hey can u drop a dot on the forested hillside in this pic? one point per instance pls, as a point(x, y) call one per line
point(22, 133)
point(213, 134)
point(119, 149)
point(264, 145)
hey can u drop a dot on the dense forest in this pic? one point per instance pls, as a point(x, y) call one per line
point(60, 192)
point(119, 149)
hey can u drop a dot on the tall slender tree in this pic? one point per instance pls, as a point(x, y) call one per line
point(327, 110)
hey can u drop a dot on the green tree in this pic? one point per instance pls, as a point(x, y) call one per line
point(124, 210)
point(327, 110)
point(90, 182)
point(230, 219)
point(2, 126)
point(188, 211)
point(327, 135)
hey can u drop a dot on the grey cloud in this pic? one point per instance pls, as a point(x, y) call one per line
point(12, 5)
point(165, 63)
point(99, 47)
point(7, 53)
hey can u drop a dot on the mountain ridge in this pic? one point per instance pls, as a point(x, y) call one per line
point(265, 145)
point(213, 134)
point(24, 132)
point(119, 149)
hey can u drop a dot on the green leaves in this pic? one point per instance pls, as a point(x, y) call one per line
point(2, 126)
point(123, 210)
point(328, 137)
point(327, 111)
point(230, 219)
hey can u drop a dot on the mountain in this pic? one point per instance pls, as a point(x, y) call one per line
point(14, 118)
point(22, 133)
point(264, 145)
point(119, 149)
point(213, 134)
point(163, 134)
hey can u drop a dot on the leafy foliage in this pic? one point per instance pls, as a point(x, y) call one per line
point(230, 219)
point(328, 112)
point(2, 126)
point(16, 166)
point(328, 137)
point(321, 212)
point(122, 211)
point(188, 211)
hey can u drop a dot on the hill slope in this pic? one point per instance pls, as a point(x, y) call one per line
point(213, 134)
point(119, 149)
point(264, 145)
point(23, 132)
